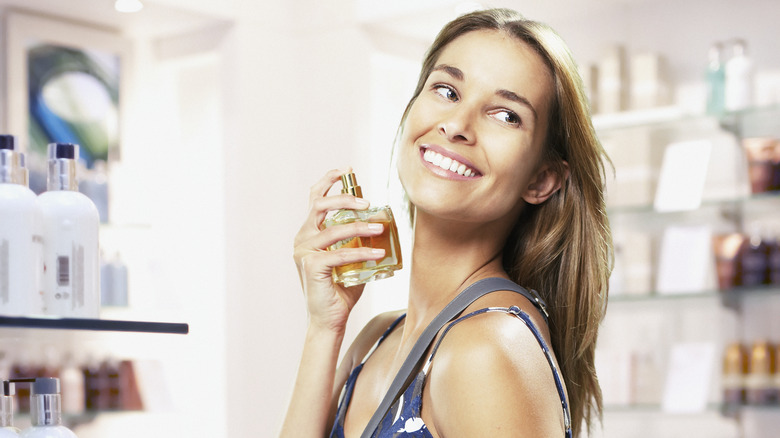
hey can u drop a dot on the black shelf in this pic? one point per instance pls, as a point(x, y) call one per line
point(94, 325)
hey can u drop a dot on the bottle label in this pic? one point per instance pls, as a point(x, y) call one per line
point(5, 272)
point(70, 277)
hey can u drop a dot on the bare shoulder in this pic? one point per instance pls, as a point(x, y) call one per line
point(490, 377)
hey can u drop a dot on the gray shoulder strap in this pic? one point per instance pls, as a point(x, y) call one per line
point(450, 312)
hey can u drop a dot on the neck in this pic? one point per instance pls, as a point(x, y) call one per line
point(446, 258)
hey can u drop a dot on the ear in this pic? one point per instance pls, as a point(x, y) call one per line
point(545, 183)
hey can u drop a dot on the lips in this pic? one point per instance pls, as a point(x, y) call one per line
point(446, 161)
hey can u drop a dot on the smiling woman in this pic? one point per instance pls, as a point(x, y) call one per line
point(504, 176)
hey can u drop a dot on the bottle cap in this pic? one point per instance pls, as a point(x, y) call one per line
point(7, 142)
point(68, 151)
point(45, 385)
point(350, 186)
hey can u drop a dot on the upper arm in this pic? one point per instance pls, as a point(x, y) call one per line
point(490, 377)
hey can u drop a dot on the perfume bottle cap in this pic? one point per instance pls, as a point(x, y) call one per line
point(68, 151)
point(349, 185)
point(7, 142)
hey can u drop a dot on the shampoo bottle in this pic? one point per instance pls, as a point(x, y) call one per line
point(7, 428)
point(20, 239)
point(358, 273)
point(46, 411)
point(71, 280)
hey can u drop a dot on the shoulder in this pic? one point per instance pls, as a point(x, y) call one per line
point(491, 377)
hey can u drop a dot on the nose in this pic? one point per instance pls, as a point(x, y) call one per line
point(457, 125)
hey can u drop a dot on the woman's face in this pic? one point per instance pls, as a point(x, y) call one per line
point(472, 142)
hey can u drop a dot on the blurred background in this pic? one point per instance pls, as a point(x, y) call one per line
point(228, 112)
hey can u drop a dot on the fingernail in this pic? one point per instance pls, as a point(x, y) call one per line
point(362, 202)
point(376, 227)
point(377, 252)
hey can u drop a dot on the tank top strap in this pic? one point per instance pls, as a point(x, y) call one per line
point(526, 319)
point(382, 338)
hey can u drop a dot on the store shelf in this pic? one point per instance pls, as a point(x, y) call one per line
point(669, 116)
point(650, 209)
point(94, 325)
point(653, 409)
point(730, 297)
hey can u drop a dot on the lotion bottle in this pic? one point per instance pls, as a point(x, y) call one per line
point(20, 236)
point(739, 78)
point(71, 280)
point(7, 428)
point(358, 273)
point(46, 411)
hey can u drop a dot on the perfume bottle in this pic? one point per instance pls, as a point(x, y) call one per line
point(761, 368)
point(735, 368)
point(353, 274)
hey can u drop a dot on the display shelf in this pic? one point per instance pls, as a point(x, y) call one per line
point(710, 408)
point(94, 325)
point(726, 202)
point(669, 116)
point(729, 297)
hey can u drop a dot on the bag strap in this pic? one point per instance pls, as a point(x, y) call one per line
point(450, 312)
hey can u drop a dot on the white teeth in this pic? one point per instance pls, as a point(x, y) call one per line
point(447, 163)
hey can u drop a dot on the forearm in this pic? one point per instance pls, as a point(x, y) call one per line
point(307, 415)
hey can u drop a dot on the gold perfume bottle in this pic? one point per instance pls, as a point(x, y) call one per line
point(353, 274)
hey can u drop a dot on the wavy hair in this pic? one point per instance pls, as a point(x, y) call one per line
point(562, 247)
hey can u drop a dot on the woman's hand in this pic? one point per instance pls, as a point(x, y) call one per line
point(328, 303)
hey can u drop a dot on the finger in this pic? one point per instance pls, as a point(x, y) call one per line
point(321, 187)
point(322, 206)
point(320, 264)
point(329, 236)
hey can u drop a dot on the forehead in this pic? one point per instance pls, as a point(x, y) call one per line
point(499, 60)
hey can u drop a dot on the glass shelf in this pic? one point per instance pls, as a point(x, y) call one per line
point(719, 408)
point(730, 297)
point(672, 115)
point(94, 325)
point(649, 209)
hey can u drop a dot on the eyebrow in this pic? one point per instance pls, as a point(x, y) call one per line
point(506, 94)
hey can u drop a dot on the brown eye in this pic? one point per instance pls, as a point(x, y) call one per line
point(508, 117)
point(446, 92)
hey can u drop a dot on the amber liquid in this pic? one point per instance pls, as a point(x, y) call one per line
point(361, 272)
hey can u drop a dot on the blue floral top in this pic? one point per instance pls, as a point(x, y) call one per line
point(403, 420)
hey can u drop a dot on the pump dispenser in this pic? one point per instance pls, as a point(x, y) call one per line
point(358, 273)
point(20, 236)
point(71, 280)
point(46, 410)
point(7, 428)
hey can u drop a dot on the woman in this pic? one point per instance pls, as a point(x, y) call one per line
point(501, 96)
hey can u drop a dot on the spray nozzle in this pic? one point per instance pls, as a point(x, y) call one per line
point(349, 185)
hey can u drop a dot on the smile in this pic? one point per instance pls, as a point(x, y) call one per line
point(449, 164)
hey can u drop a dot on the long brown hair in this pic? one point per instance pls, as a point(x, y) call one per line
point(563, 247)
